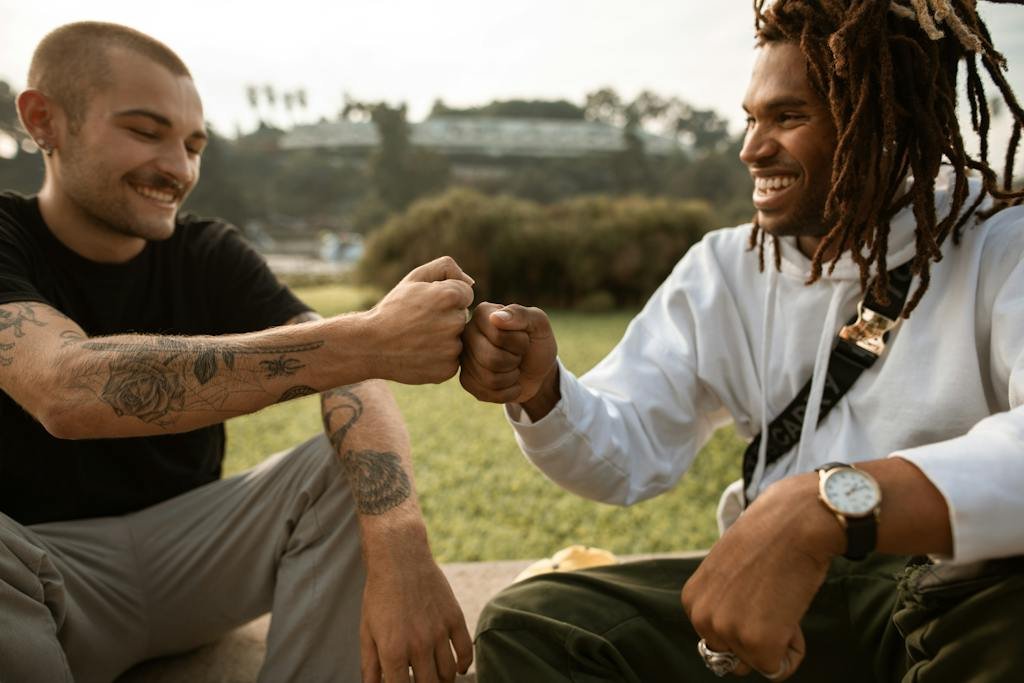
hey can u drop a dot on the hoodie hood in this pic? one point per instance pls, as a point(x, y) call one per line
point(844, 282)
point(902, 242)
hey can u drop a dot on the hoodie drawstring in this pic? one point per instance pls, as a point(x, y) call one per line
point(821, 359)
point(767, 324)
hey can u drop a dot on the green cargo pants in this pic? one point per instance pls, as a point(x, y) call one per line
point(878, 620)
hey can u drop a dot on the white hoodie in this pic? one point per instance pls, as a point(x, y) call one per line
point(722, 340)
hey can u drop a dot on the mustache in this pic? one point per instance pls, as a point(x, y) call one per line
point(157, 181)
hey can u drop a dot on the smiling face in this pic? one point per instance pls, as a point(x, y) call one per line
point(788, 146)
point(126, 168)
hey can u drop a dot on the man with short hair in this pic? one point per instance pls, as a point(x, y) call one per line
point(866, 211)
point(128, 334)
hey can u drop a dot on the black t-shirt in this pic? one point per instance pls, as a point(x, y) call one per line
point(205, 279)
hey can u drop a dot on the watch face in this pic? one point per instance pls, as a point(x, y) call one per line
point(851, 492)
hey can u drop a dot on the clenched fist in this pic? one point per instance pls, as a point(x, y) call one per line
point(509, 355)
point(417, 326)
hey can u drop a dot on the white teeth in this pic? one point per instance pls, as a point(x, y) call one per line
point(151, 193)
point(773, 183)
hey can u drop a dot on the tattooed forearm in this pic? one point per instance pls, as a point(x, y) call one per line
point(281, 366)
point(157, 378)
point(377, 479)
point(205, 364)
point(144, 388)
point(340, 406)
point(181, 344)
point(296, 392)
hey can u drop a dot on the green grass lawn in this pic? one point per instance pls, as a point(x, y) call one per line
point(481, 498)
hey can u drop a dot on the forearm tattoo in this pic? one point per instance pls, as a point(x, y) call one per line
point(281, 366)
point(157, 379)
point(379, 482)
point(297, 391)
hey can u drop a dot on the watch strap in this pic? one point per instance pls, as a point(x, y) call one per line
point(861, 537)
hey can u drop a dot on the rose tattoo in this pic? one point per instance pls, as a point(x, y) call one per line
point(144, 388)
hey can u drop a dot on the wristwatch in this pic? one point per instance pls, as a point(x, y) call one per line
point(855, 498)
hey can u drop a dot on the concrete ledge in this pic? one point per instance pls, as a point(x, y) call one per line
point(237, 657)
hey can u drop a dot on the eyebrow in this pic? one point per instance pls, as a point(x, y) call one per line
point(159, 119)
point(781, 103)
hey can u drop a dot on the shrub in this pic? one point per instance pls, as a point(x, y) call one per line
point(588, 251)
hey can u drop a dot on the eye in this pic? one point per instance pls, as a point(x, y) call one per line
point(145, 134)
point(195, 146)
point(750, 122)
point(791, 118)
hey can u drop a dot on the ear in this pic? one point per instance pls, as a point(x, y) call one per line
point(41, 117)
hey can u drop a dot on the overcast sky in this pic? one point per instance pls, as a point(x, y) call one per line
point(464, 51)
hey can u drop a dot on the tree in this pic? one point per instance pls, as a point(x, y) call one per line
point(399, 172)
point(704, 129)
point(289, 102)
point(253, 95)
point(24, 171)
point(630, 166)
point(604, 105)
point(218, 193)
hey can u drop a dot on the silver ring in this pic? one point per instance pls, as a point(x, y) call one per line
point(783, 670)
point(720, 663)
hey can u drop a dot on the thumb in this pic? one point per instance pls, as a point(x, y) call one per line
point(443, 268)
point(514, 317)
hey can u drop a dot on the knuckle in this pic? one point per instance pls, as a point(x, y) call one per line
point(446, 295)
point(448, 371)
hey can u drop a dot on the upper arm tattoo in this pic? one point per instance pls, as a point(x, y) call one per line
point(378, 481)
point(12, 327)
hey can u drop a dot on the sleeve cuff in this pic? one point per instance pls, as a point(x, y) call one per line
point(982, 487)
point(554, 428)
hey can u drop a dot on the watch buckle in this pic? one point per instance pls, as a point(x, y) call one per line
point(869, 330)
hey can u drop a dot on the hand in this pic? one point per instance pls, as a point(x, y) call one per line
point(417, 326)
point(509, 354)
point(751, 591)
point(410, 618)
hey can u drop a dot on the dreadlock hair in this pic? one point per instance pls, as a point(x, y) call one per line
point(887, 70)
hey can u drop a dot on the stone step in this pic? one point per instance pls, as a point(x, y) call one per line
point(237, 657)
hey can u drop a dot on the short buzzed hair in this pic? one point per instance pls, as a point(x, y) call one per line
point(73, 61)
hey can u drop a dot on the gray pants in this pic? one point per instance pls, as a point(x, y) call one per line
point(88, 599)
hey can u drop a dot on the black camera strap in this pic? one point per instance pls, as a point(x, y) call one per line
point(858, 345)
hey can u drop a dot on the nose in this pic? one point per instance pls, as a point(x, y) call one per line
point(176, 161)
point(758, 146)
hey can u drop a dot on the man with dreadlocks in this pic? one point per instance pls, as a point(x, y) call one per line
point(869, 207)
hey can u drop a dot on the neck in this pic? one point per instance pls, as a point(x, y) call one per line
point(81, 232)
point(808, 245)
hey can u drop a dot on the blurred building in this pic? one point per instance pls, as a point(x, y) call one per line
point(479, 148)
point(467, 137)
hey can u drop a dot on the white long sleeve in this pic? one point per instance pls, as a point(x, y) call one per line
point(947, 394)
